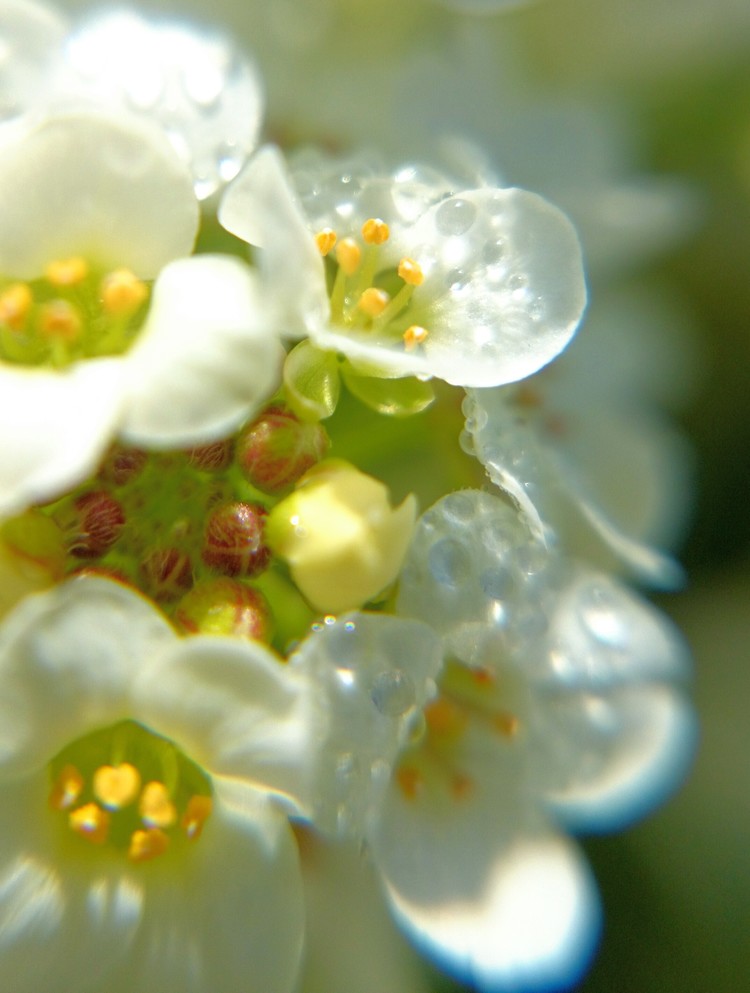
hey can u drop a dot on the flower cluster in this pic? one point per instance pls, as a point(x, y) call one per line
point(225, 645)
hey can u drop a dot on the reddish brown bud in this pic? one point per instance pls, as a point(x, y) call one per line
point(94, 524)
point(224, 606)
point(233, 541)
point(167, 573)
point(122, 465)
point(211, 458)
point(277, 449)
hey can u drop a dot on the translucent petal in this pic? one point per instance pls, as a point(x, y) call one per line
point(207, 98)
point(67, 661)
point(132, 206)
point(205, 359)
point(503, 906)
point(32, 36)
point(229, 916)
point(64, 923)
point(371, 674)
point(56, 426)
point(237, 711)
point(261, 208)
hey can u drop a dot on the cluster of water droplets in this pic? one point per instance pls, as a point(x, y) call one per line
point(195, 85)
point(375, 673)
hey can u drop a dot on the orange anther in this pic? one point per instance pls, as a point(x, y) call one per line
point(325, 240)
point(375, 231)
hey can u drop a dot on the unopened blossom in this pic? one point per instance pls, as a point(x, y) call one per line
point(141, 847)
point(88, 347)
point(343, 540)
point(407, 275)
point(561, 706)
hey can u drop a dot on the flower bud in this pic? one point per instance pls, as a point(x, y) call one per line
point(277, 449)
point(233, 540)
point(167, 573)
point(342, 539)
point(92, 524)
point(224, 606)
point(212, 457)
point(122, 465)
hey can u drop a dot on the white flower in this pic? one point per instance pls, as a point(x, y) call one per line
point(79, 361)
point(562, 705)
point(477, 287)
point(583, 448)
point(32, 35)
point(149, 901)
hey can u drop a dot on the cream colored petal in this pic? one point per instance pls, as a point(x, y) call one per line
point(107, 187)
point(206, 358)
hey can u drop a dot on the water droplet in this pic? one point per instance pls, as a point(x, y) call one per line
point(455, 216)
point(518, 281)
point(494, 252)
point(329, 620)
point(599, 613)
point(456, 280)
point(449, 562)
point(497, 583)
point(537, 310)
point(393, 692)
point(349, 626)
point(346, 677)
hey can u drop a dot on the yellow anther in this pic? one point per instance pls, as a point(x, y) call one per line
point(325, 240)
point(461, 785)
point(66, 789)
point(196, 814)
point(348, 255)
point(122, 292)
point(414, 336)
point(445, 719)
point(373, 301)
point(67, 272)
point(15, 304)
point(116, 786)
point(60, 319)
point(155, 807)
point(147, 845)
point(91, 822)
point(410, 781)
point(506, 724)
point(375, 231)
point(411, 272)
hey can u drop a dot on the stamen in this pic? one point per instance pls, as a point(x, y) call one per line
point(196, 814)
point(373, 301)
point(411, 272)
point(414, 336)
point(66, 789)
point(155, 807)
point(461, 785)
point(91, 822)
point(60, 319)
point(445, 718)
point(147, 845)
point(410, 781)
point(116, 786)
point(375, 231)
point(507, 724)
point(122, 292)
point(67, 272)
point(15, 304)
point(348, 256)
point(325, 240)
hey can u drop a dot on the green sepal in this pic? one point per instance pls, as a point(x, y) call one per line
point(394, 397)
point(311, 382)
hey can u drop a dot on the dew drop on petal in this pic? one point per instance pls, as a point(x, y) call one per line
point(496, 583)
point(449, 562)
point(455, 216)
point(602, 618)
point(393, 692)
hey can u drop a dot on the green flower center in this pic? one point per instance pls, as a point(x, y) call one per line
point(73, 312)
point(130, 791)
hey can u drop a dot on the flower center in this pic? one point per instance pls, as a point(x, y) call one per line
point(129, 790)
point(368, 293)
point(73, 312)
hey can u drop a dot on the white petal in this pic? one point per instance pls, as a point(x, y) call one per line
point(236, 709)
point(489, 892)
point(32, 37)
point(229, 917)
point(132, 205)
point(56, 426)
point(64, 922)
point(371, 675)
point(352, 944)
point(260, 207)
point(205, 359)
point(67, 661)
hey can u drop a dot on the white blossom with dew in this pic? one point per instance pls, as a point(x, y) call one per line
point(477, 287)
